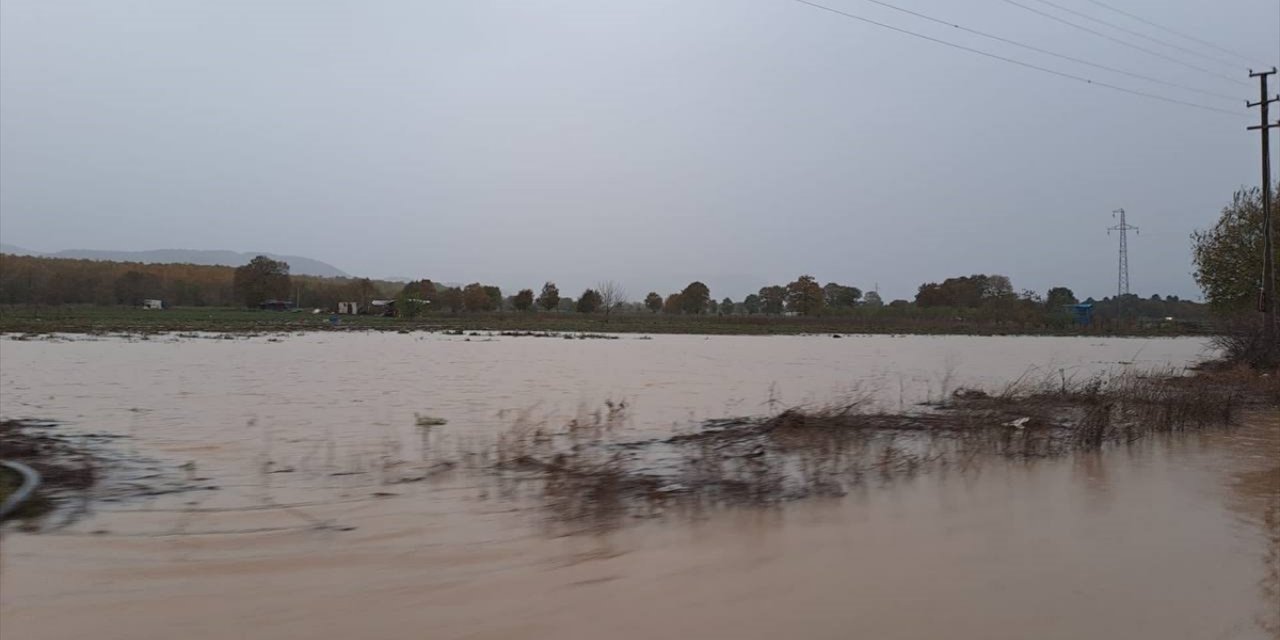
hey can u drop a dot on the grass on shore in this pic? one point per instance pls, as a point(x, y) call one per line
point(91, 319)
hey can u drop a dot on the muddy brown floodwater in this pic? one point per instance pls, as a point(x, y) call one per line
point(319, 508)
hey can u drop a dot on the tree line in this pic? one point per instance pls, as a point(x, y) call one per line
point(978, 297)
point(55, 281)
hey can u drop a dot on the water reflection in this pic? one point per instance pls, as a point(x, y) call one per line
point(1255, 498)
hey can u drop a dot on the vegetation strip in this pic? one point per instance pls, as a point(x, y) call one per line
point(584, 476)
point(20, 320)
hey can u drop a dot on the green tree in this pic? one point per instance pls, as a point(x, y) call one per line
point(475, 298)
point(838, 296)
point(451, 298)
point(695, 298)
point(424, 290)
point(550, 297)
point(726, 307)
point(673, 305)
point(495, 298)
point(653, 302)
point(408, 306)
point(361, 290)
point(415, 298)
point(1059, 297)
point(999, 286)
point(773, 299)
point(261, 280)
point(132, 287)
point(751, 304)
point(1228, 256)
point(589, 301)
point(523, 300)
point(873, 300)
point(965, 291)
point(805, 296)
point(932, 294)
point(188, 294)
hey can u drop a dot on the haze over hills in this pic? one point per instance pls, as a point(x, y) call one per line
point(297, 264)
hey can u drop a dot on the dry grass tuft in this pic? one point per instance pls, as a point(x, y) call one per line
point(585, 475)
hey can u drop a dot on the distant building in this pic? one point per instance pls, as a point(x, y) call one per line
point(276, 305)
point(152, 304)
point(348, 308)
point(1082, 313)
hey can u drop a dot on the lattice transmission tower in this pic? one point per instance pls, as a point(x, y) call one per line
point(1122, 280)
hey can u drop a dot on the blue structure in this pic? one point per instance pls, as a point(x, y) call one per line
point(276, 305)
point(1082, 313)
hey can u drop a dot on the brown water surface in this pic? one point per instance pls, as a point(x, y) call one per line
point(319, 526)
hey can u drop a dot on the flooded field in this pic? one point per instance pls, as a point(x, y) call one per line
point(317, 503)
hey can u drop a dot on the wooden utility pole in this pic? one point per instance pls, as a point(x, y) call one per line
point(1267, 304)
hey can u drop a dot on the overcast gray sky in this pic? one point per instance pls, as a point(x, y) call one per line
point(740, 142)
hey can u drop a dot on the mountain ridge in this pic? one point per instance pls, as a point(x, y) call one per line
point(299, 265)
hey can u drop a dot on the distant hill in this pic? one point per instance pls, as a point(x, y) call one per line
point(17, 251)
point(297, 264)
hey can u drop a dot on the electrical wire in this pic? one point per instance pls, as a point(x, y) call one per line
point(1020, 63)
point(1055, 54)
point(1168, 30)
point(1124, 43)
point(1136, 33)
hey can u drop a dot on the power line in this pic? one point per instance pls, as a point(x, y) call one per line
point(1055, 54)
point(1167, 29)
point(1136, 33)
point(1028, 65)
point(1124, 43)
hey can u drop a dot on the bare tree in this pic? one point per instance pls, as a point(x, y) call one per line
point(612, 295)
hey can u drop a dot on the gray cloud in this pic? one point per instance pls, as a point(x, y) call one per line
point(741, 143)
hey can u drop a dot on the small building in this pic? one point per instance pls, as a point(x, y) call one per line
point(153, 304)
point(348, 308)
point(1082, 313)
point(276, 305)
